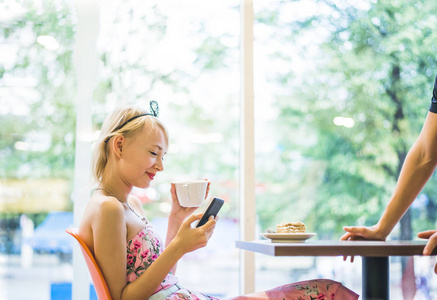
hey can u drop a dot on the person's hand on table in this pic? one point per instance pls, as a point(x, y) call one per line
point(431, 235)
point(357, 233)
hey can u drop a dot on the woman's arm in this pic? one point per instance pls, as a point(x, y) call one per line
point(177, 215)
point(109, 235)
point(187, 239)
point(418, 167)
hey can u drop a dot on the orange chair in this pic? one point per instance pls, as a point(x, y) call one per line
point(100, 285)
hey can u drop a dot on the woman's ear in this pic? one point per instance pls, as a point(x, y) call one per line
point(117, 145)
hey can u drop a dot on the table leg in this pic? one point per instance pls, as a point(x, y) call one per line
point(375, 275)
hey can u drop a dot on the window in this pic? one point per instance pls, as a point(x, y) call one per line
point(36, 146)
point(342, 89)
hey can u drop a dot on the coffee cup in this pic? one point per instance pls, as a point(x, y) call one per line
point(191, 193)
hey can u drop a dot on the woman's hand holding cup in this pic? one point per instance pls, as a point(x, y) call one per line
point(187, 196)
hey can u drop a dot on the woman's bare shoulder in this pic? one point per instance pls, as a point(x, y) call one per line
point(108, 208)
point(102, 212)
point(102, 208)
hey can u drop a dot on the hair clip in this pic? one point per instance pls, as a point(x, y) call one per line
point(154, 108)
point(154, 111)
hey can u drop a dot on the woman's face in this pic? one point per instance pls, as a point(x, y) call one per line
point(142, 157)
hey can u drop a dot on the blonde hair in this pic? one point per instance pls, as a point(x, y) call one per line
point(119, 123)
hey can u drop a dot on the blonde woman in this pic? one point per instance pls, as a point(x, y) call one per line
point(134, 261)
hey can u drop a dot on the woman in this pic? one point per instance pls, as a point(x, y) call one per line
point(128, 153)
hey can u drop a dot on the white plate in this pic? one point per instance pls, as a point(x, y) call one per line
point(288, 237)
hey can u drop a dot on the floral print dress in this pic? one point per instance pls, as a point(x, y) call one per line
point(142, 250)
point(318, 289)
point(145, 247)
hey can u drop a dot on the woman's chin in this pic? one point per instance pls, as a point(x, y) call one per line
point(143, 185)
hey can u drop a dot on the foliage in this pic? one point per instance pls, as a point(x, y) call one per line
point(37, 139)
point(374, 64)
point(37, 82)
point(371, 61)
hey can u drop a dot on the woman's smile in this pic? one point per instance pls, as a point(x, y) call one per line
point(151, 175)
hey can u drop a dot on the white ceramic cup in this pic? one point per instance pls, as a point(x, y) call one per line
point(191, 193)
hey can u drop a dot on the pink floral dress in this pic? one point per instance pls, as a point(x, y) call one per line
point(318, 289)
point(142, 250)
point(145, 247)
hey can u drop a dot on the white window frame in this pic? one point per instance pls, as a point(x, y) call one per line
point(247, 148)
point(86, 66)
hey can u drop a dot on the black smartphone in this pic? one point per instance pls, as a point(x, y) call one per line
point(212, 209)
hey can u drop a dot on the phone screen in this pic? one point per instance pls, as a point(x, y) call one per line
point(212, 210)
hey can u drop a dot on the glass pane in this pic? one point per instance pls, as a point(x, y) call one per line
point(185, 55)
point(342, 89)
point(37, 118)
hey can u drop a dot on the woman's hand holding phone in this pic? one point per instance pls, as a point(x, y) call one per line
point(189, 239)
point(212, 209)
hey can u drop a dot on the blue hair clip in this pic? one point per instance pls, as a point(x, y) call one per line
point(154, 108)
point(154, 111)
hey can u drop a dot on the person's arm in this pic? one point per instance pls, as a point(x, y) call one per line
point(431, 235)
point(109, 235)
point(186, 240)
point(177, 215)
point(418, 167)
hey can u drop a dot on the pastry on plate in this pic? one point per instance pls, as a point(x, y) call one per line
point(290, 227)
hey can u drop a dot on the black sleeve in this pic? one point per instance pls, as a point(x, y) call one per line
point(433, 107)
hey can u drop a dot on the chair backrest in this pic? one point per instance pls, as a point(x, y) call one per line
point(100, 285)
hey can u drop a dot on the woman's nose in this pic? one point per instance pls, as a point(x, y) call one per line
point(159, 165)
